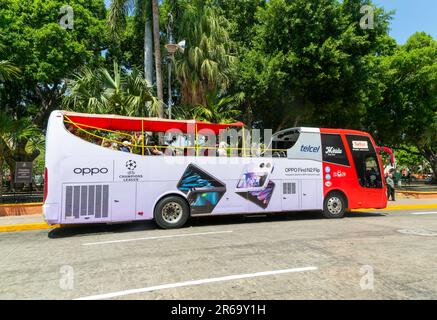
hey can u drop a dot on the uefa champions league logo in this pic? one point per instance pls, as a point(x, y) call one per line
point(130, 175)
point(131, 165)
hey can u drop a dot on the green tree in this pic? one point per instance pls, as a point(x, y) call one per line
point(33, 39)
point(8, 71)
point(242, 18)
point(310, 63)
point(207, 65)
point(120, 92)
point(407, 113)
point(216, 110)
point(19, 138)
point(129, 32)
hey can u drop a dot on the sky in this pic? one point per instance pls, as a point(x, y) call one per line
point(410, 16)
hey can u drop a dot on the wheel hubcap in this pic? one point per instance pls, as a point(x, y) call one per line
point(172, 212)
point(335, 205)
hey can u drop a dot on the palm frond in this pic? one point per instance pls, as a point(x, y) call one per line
point(120, 92)
point(8, 71)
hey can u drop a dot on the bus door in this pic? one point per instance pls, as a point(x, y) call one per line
point(290, 196)
point(123, 201)
point(367, 169)
point(309, 194)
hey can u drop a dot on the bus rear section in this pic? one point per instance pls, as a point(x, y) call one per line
point(352, 169)
point(51, 206)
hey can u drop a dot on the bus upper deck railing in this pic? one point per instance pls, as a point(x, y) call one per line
point(245, 151)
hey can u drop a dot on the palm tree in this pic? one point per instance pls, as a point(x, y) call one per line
point(8, 71)
point(207, 64)
point(157, 46)
point(120, 92)
point(20, 140)
point(118, 11)
point(215, 110)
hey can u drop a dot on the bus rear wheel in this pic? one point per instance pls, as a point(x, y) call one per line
point(171, 212)
point(334, 205)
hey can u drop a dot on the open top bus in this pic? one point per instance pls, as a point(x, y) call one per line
point(108, 168)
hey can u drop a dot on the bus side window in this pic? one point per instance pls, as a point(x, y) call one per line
point(373, 179)
point(333, 150)
point(283, 141)
point(365, 160)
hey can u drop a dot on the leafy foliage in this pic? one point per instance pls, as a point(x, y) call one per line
point(407, 113)
point(275, 63)
point(206, 66)
point(216, 109)
point(32, 39)
point(8, 71)
point(122, 92)
point(310, 63)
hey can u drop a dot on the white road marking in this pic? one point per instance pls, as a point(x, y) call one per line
point(195, 282)
point(420, 213)
point(154, 238)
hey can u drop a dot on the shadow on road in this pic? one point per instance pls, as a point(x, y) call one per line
point(95, 229)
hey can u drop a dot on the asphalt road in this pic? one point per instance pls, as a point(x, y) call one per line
point(384, 255)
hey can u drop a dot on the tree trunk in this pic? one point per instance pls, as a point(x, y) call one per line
point(148, 44)
point(157, 46)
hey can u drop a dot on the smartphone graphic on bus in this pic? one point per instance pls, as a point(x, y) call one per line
point(262, 197)
point(255, 177)
point(203, 190)
point(202, 202)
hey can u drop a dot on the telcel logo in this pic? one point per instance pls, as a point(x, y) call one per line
point(309, 148)
point(90, 171)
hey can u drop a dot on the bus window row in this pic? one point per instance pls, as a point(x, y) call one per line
point(157, 144)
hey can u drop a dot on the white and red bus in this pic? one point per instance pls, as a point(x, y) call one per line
point(89, 180)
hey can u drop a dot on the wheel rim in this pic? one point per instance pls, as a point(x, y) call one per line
point(335, 205)
point(172, 212)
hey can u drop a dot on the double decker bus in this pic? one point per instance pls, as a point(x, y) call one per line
point(110, 169)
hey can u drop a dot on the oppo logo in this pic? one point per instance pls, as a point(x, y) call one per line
point(90, 171)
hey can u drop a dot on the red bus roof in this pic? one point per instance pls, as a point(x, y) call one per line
point(115, 122)
point(344, 131)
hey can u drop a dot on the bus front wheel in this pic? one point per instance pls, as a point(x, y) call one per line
point(171, 212)
point(334, 205)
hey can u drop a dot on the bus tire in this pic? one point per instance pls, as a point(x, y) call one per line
point(334, 205)
point(171, 212)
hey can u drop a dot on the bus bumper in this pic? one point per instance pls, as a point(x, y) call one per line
point(51, 213)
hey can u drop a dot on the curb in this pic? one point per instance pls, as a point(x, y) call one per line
point(419, 192)
point(44, 226)
point(31, 204)
point(20, 209)
point(403, 207)
point(27, 227)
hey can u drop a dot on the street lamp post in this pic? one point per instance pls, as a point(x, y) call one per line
point(171, 51)
point(172, 48)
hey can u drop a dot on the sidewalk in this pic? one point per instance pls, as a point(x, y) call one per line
point(23, 223)
point(36, 221)
point(411, 201)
